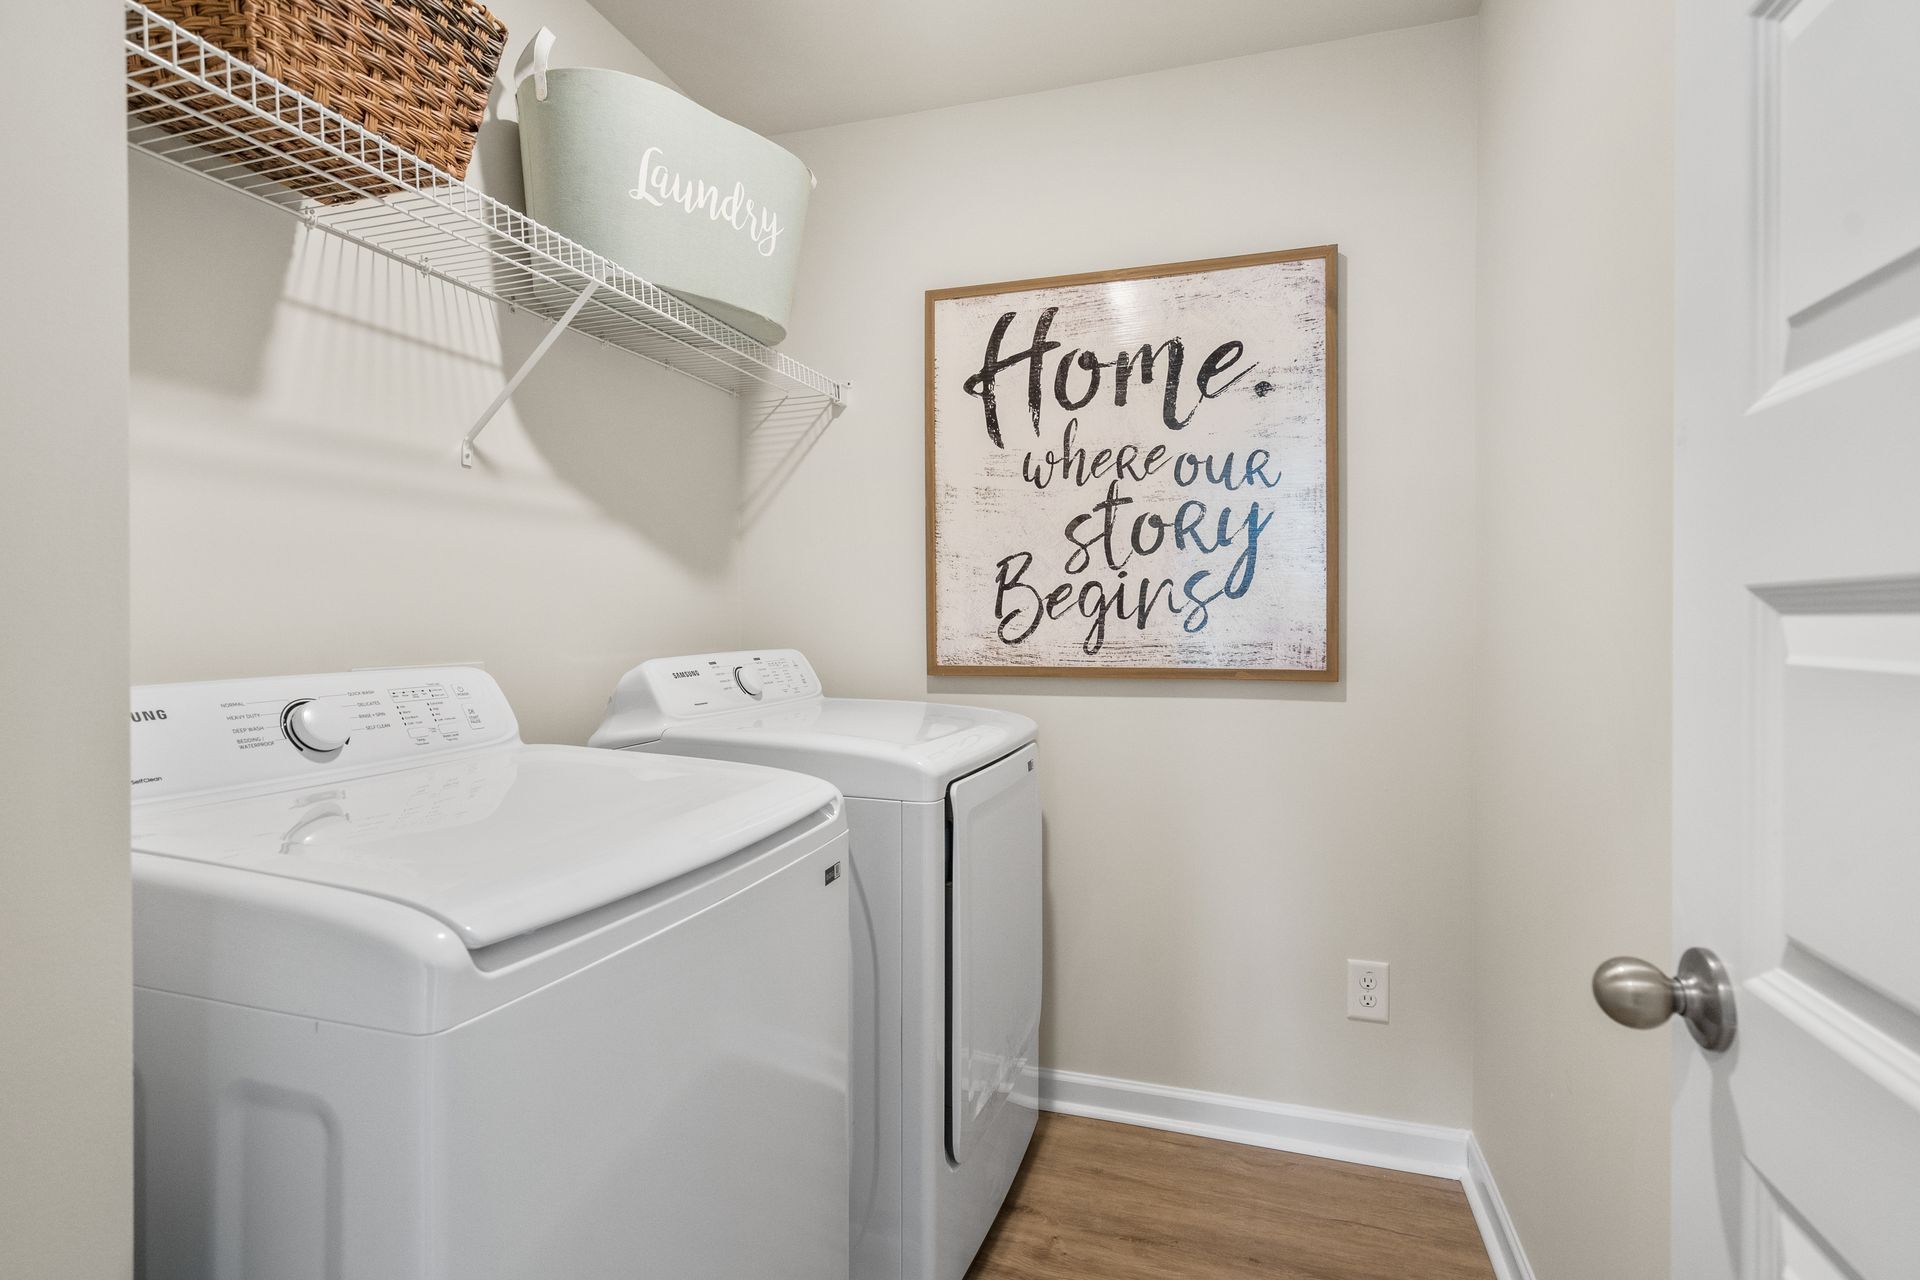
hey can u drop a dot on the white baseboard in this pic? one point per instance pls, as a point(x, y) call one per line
point(1335, 1135)
point(1490, 1212)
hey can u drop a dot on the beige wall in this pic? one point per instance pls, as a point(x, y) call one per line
point(1215, 852)
point(1482, 800)
point(1572, 795)
point(297, 502)
point(66, 1069)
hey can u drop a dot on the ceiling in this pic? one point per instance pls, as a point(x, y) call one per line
point(782, 65)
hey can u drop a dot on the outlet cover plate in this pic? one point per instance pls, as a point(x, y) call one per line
point(1367, 990)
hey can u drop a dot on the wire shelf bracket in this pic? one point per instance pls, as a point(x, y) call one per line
point(194, 106)
point(559, 327)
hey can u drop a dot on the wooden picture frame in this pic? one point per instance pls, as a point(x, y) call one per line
point(1290, 300)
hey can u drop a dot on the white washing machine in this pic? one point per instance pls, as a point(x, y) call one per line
point(944, 808)
point(415, 1000)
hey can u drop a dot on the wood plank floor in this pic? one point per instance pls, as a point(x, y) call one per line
point(1099, 1201)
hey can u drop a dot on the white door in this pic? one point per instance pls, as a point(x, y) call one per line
point(1797, 635)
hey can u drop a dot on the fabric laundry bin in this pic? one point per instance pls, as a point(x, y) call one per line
point(709, 211)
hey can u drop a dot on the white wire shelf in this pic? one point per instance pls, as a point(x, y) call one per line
point(196, 107)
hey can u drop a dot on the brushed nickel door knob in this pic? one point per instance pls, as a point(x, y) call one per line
point(1635, 993)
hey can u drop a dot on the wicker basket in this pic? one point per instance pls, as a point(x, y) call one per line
point(415, 72)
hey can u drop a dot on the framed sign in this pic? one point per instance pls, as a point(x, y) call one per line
point(1133, 473)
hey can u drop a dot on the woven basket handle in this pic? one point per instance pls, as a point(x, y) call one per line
point(533, 61)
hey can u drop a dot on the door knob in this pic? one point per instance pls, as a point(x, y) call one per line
point(1637, 994)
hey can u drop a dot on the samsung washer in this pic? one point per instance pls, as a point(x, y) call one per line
point(415, 1001)
point(944, 807)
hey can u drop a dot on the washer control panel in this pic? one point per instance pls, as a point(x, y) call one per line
point(661, 691)
point(227, 733)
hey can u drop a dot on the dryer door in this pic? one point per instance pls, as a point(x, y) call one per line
point(993, 943)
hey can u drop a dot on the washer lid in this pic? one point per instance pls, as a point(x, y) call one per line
point(494, 843)
point(865, 747)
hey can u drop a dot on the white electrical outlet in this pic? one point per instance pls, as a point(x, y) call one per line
point(1367, 990)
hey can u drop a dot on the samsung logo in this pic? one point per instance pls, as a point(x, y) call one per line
point(138, 716)
point(685, 675)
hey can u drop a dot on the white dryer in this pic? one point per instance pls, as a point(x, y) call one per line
point(415, 1001)
point(944, 808)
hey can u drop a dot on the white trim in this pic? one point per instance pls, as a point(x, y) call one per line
point(1490, 1212)
point(1334, 1135)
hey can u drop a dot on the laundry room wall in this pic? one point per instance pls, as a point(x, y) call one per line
point(66, 990)
point(1573, 723)
point(297, 501)
point(1215, 851)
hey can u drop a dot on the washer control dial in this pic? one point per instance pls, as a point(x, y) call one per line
point(315, 728)
point(748, 683)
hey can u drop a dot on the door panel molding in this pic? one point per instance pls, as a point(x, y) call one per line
point(1837, 284)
